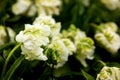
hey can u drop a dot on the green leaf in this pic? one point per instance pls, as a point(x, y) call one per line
point(13, 68)
point(87, 76)
point(1, 60)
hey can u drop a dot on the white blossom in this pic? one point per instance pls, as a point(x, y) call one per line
point(62, 50)
point(85, 50)
point(109, 73)
point(21, 6)
point(110, 26)
point(73, 33)
point(32, 38)
point(30, 8)
point(36, 33)
point(49, 21)
point(111, 4)
point(45, 20)
point(48, 7)
point(3, 34)
point(109, 40)
point(36, 53)
point(84, 45)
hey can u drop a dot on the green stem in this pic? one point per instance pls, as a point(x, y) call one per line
point(96, 27)
point(13, 68)
point(102, 63)
point(7, 60)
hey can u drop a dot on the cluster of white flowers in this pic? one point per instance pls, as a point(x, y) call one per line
point(84, 45)
point(45, 31)
point(107, 37)
point(3, 35)
point(40, 33)
point(111, 4)
point(29, 7)
point(109, 73)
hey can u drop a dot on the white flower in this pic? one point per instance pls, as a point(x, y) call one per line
point(3, 34)
point(109, 40)
point(84, 45)
point(33, 52)
point(73, 33)
point(21, 6)
point(111, 4)
point(48, 7)
point(35, 33)
point(45, 20)
point(33, 37)
point(85, 50)
point(111, 26)
point(49, 21)
point(109, 73)
point(62, 50)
